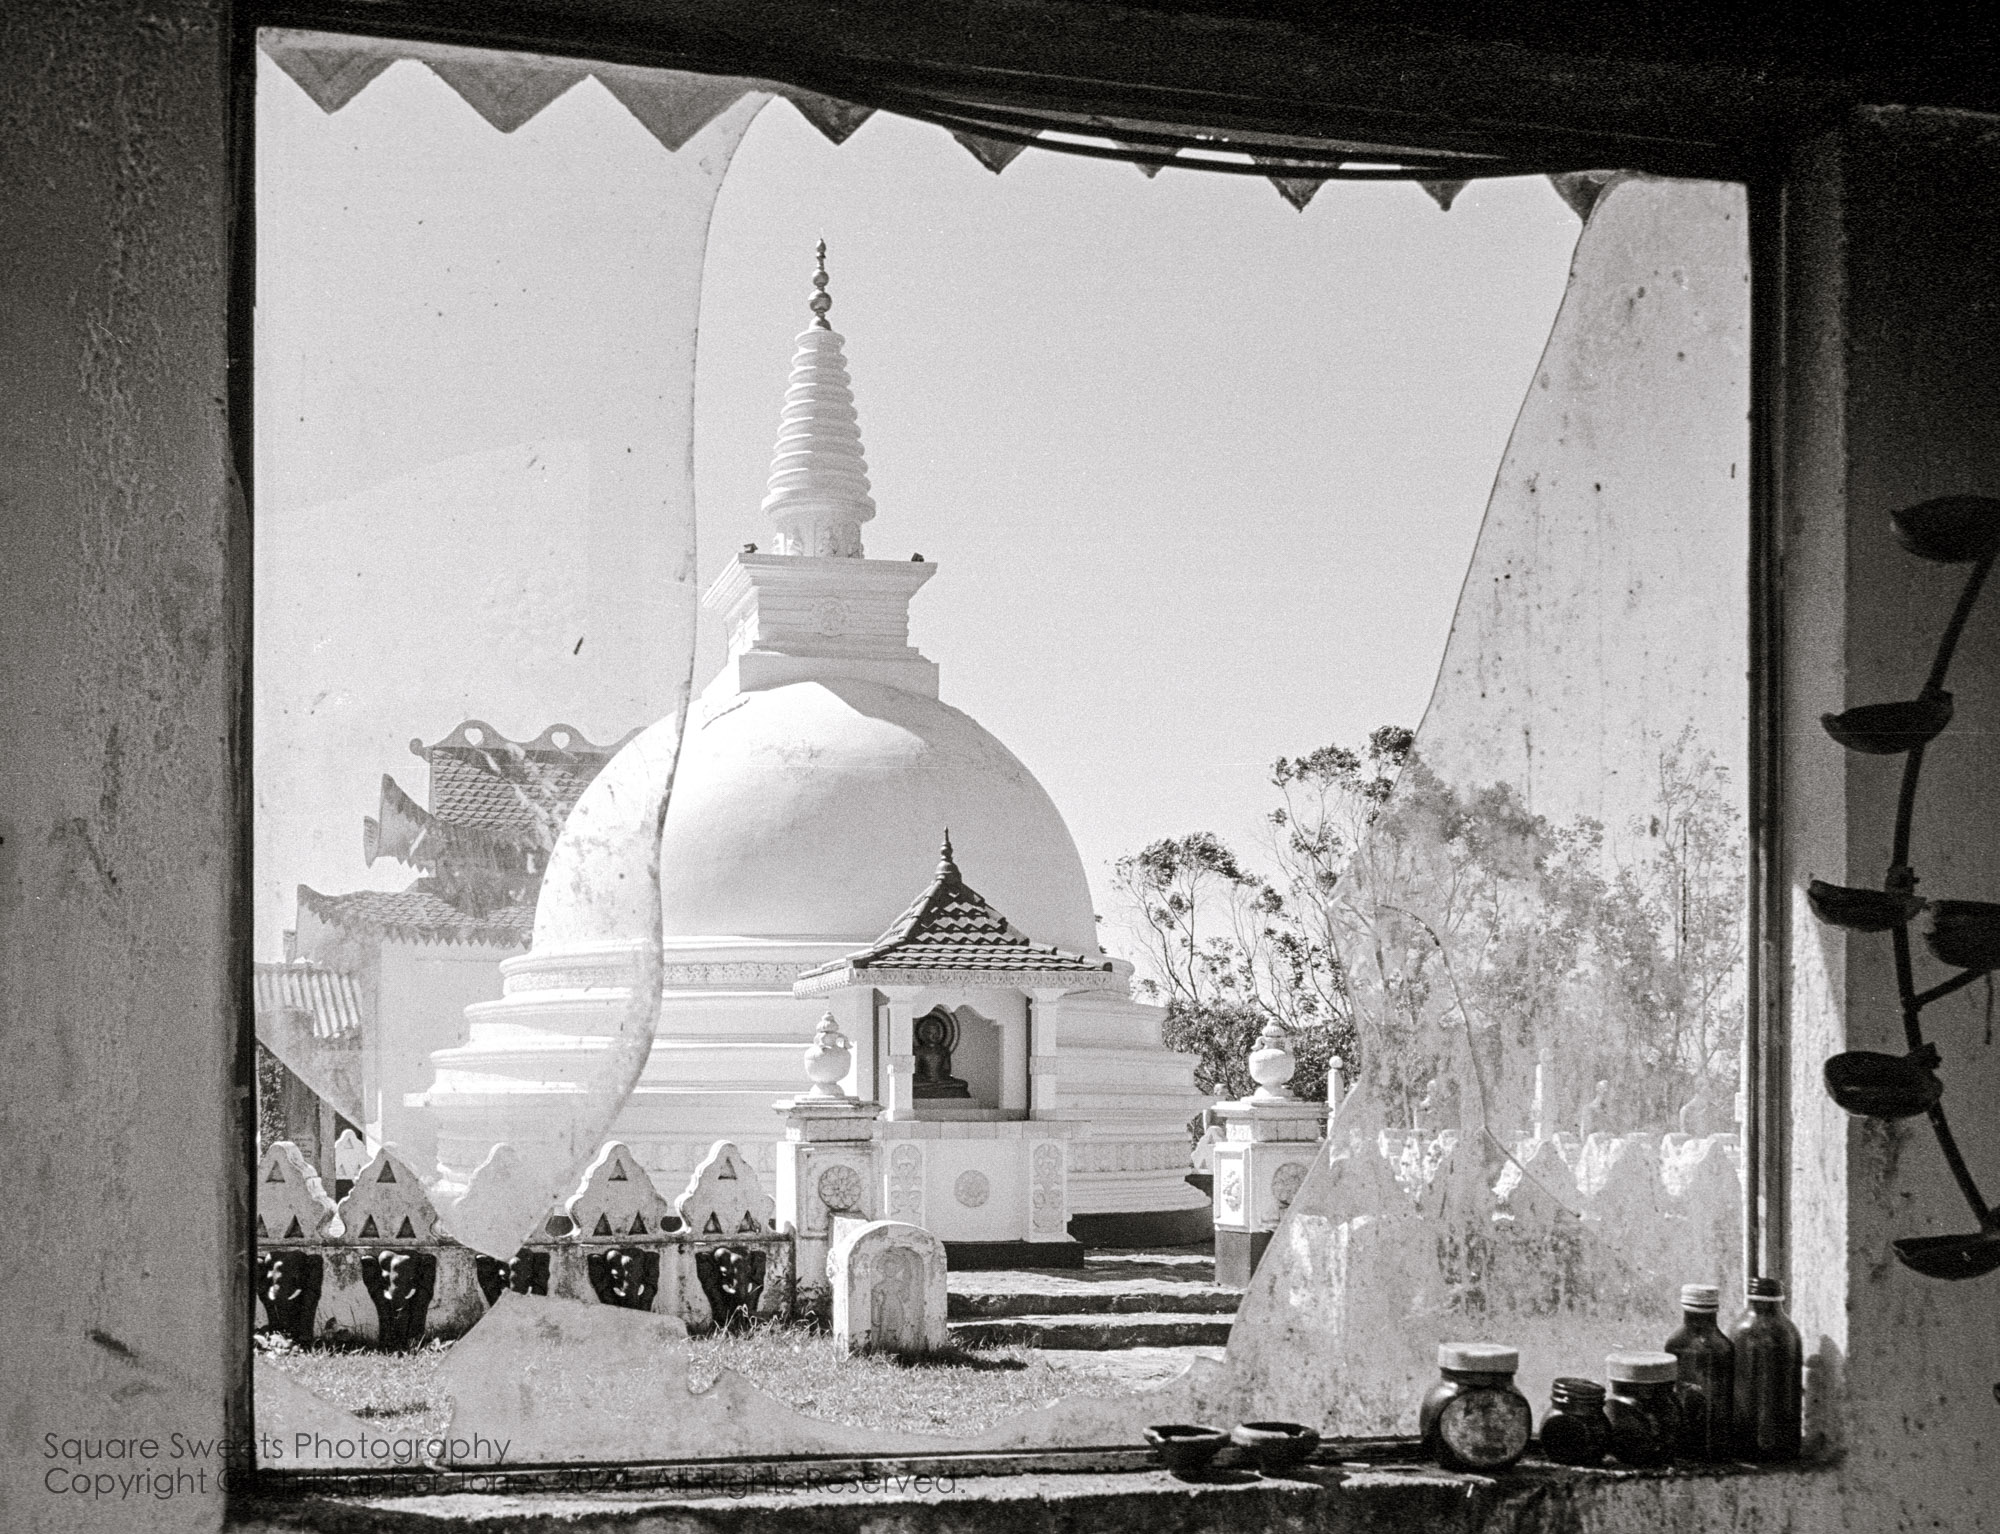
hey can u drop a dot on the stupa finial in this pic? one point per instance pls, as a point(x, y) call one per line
point(821, 301)
point(818, 490)
point(944, 852)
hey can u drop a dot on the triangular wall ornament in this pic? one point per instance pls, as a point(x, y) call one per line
point(618, 1173)
point(727, 1172)
point(748, 1222)
point(836, 119)
point(405, 1232)
point(276, 1174)
point(603, 1226)
point(995, 154)
point(331, 75)
point(1443, 192)
point(638, 1225)
point(506, 89)
point(368, 1230)
point(713, 1227)
point(293, 1231)
point(260, 1225)
point(671, 105)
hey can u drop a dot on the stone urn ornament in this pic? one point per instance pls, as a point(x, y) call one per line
point(828, 1060)
point(1272, 1064)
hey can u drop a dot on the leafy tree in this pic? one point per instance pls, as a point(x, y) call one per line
point(1456, 940)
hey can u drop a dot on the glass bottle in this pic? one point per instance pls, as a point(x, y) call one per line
point(1474, 1418)
point(1770, 1376)
point(1575, 1432)
point(1642, 1407)
point(1707, 1375)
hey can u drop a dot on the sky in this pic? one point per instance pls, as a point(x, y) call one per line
point(1202, 473)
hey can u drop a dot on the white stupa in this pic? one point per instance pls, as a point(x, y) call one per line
point(818, 773)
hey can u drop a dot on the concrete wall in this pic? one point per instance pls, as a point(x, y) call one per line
point(1892, 343)
point(121, 622)
point(123, 577)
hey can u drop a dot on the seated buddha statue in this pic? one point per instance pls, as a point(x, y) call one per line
point(934, 1036)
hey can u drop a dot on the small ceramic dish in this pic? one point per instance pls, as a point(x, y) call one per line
point(1185, 1448)
point(1276, 1446)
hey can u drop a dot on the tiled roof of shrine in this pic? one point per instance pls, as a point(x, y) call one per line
point(950, 928)
point(419, 915)
point(481, 778)
point(326, 997)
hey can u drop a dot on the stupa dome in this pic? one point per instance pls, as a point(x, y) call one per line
point(812, 810)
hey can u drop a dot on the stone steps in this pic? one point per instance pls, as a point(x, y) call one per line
point(1048, 1295)
point(1096, 1333)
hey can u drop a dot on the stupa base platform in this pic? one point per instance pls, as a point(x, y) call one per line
point(991, 1256)
point(1144, 1227)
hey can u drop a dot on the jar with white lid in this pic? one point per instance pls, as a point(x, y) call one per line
point(1641, 1402)
point(1474, 1418)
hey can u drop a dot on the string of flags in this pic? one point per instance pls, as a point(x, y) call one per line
point(510, 89)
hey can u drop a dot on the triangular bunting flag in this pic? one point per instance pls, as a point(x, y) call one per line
point(603, 1226)
point(638, 1225)
point(836, 119)
point(749, 1222)
point(995, 154)
point(1581, 189)
point(368, 1229)
point(1442, 192)
point(506, 90)
point(713, 1227)
point(388, 1173)
point(617, 1173)
point(332, 76)
point(1296, 190)
point(671, 106)
point(405, 1233)
point(292, 1231)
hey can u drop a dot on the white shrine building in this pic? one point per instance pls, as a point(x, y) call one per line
point(800, 874)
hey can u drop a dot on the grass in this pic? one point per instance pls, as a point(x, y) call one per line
point(957, 1393)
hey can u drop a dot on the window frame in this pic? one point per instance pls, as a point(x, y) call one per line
point(697, 43)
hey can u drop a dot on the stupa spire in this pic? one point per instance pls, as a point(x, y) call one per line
point(818, 491)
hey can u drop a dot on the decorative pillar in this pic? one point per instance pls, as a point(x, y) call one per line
point(1014, 1063)
point(1044, 1020)
point(827, 1160)
point(900, 1048)
point(1270, 1139)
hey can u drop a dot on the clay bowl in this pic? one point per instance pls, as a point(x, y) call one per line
point(1888, 729)
point(1862, 910)
point(1276, 1446)
point(1951, 1257)
point(1884, 1086)
point(1185, 1448)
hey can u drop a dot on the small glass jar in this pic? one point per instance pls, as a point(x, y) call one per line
point(1770, 1376)
point(1474, 1418)
point(1642, 1406)
point(1576, 1431)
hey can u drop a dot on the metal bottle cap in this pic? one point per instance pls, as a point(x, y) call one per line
point(1700, 1297)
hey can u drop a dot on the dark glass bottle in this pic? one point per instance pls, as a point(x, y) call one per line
point(1474, 1418)
point(1770, 1377)
point(1642, 1407)
point(1707, 1375)
point(1576, 1432)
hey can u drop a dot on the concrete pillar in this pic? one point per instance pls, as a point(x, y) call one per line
point(900, 1053)
point(1270, 1139)
point(1044, 1022)
point(1884, 265)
